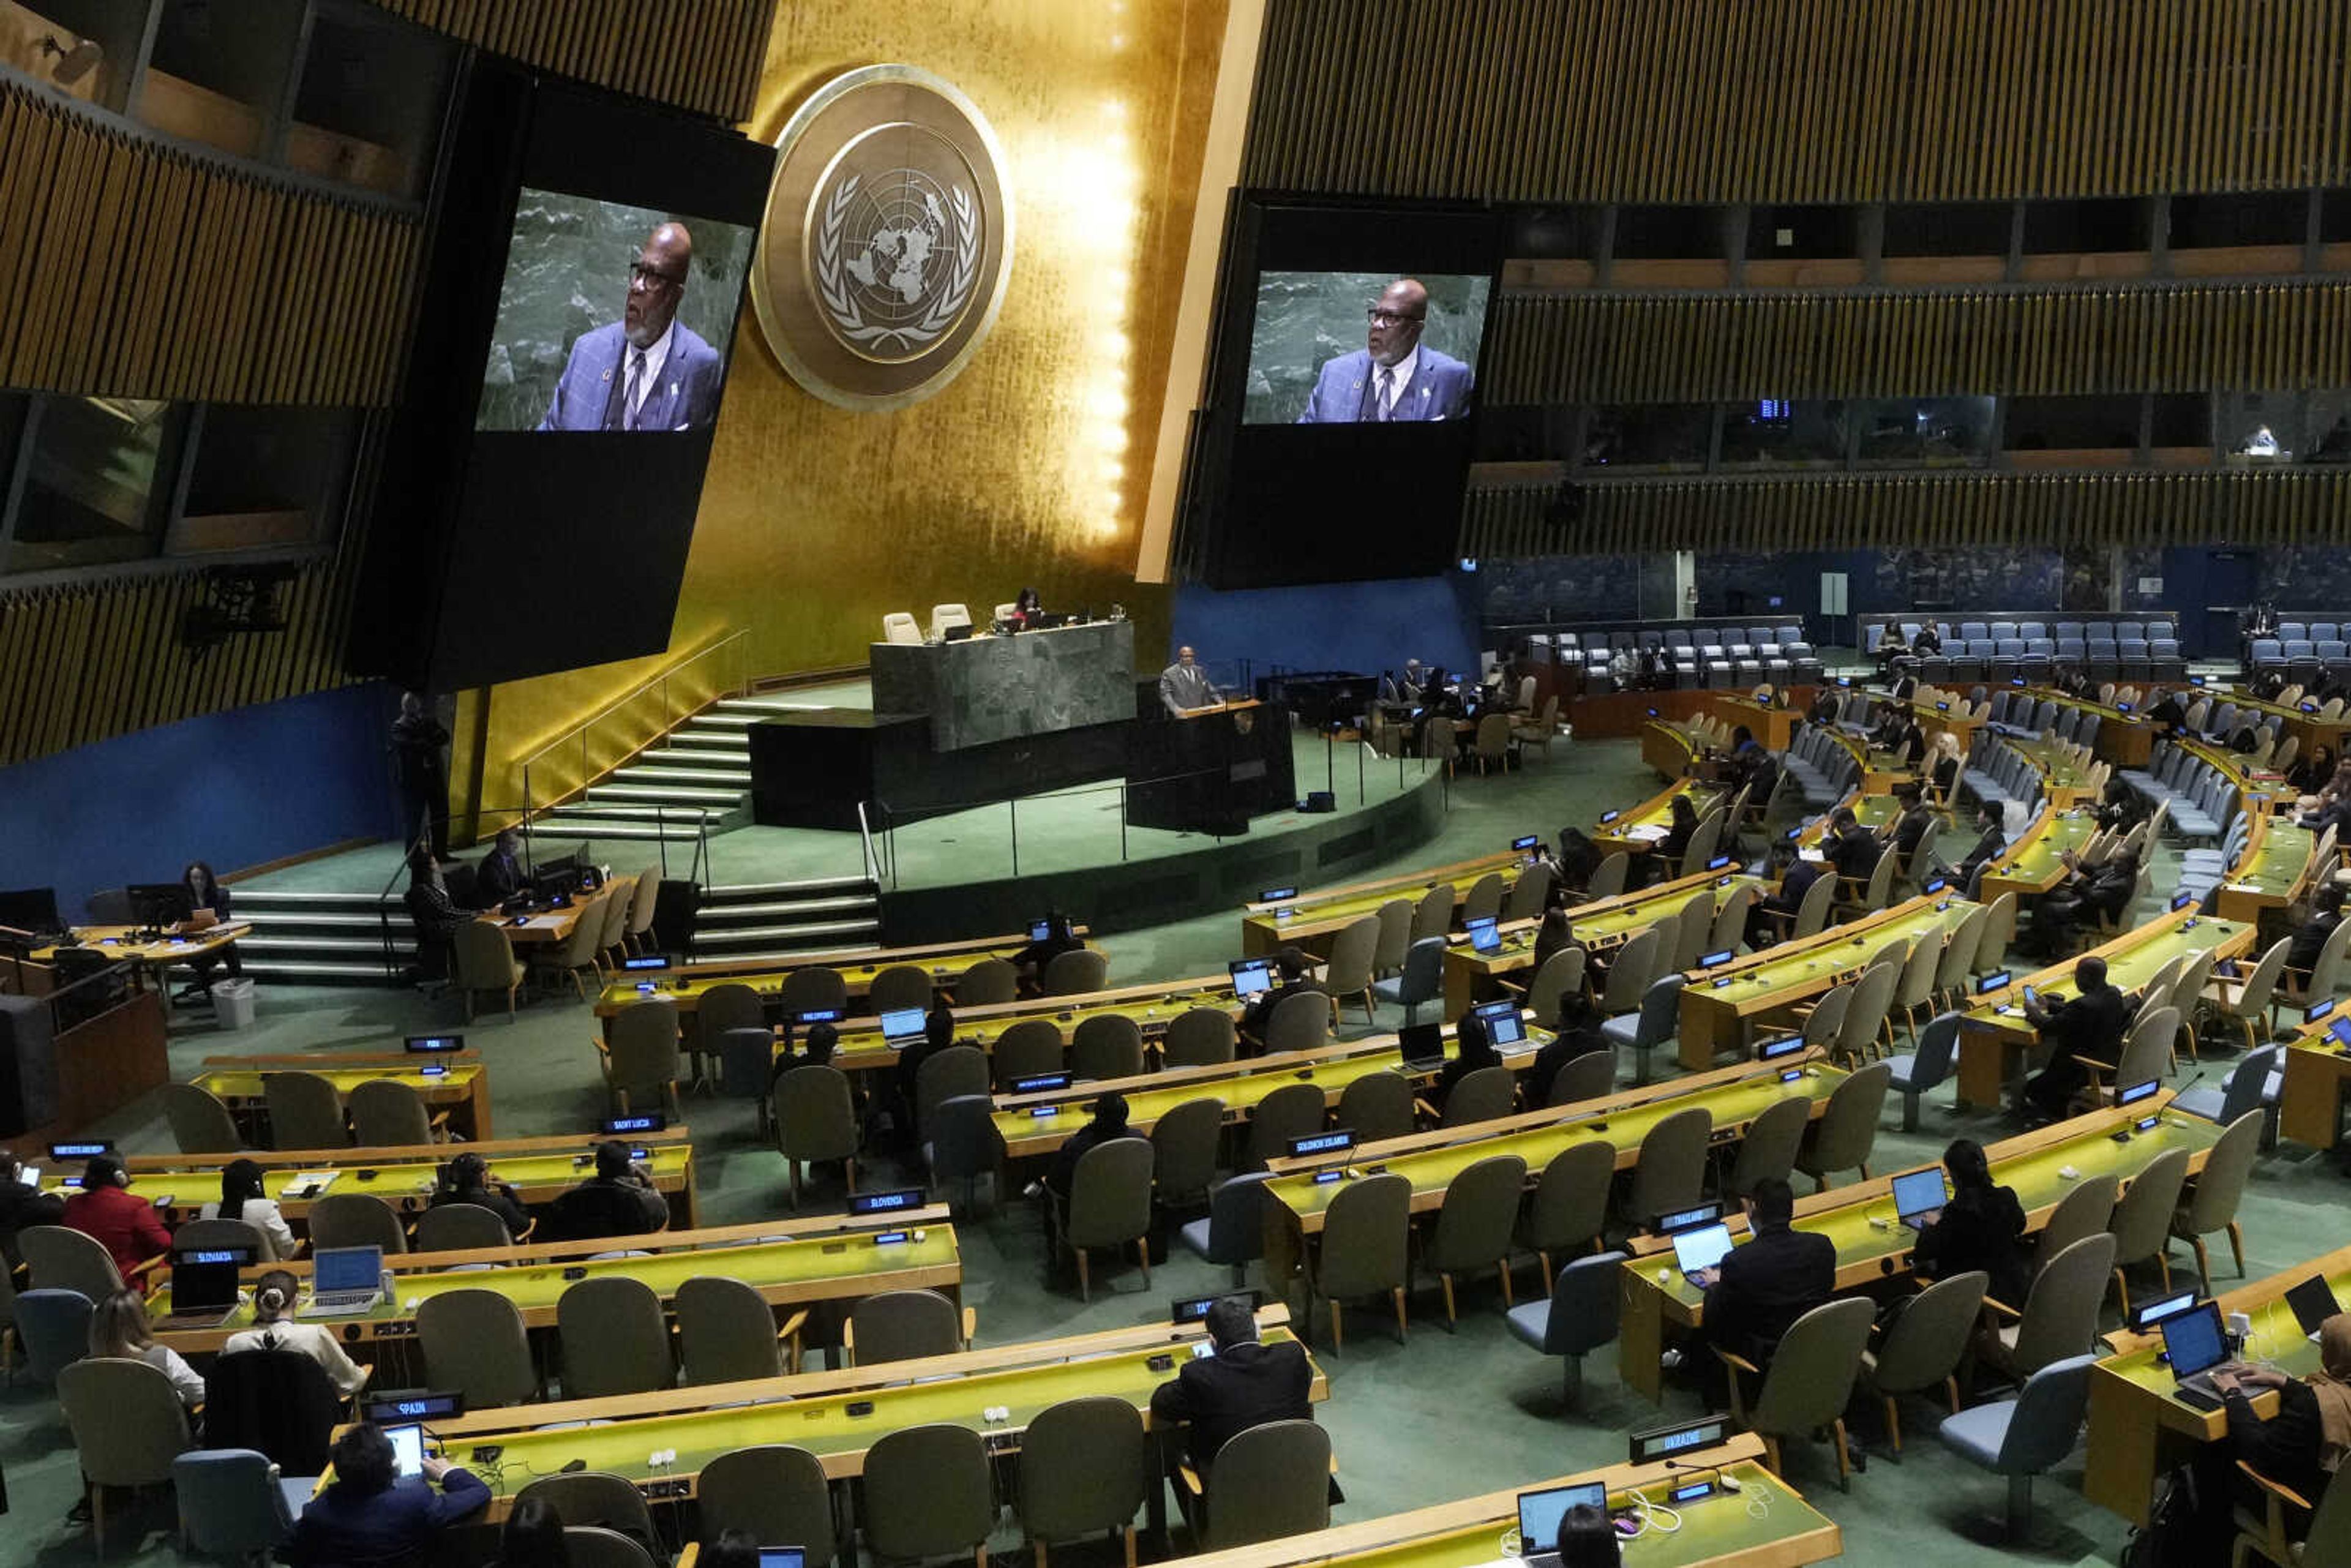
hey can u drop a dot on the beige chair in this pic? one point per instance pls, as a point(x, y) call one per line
point(1539, 733)
point(209, 1234)
point(486, 962)
point(1292, 1110)
point(1770, 1147)
point(723, 1007)
point(2142, 1223)
point(1433, 915)
point(1491, 745)
point(2325, 977)
point(1483, 899)
point(2218, 1188)
point(1076, 972)
point(1474, 1224)
point(1958, 959)
point(1299, 1021)
point(1560, 974)
point(990, 981)
point(1196, 1037)
point(356, 1219)
point(927, 1494)
point(615, 1338)
point(899, 988)
point(1824, 1024)
point(771, 1493)
point(1349, 974)
point(1702, 841)
point(201, 1123)
point(2061, 1312)
point(1530, 890)
point(1847, 1130)
point(613, 939)
point(640, 1058)
point(1669, 1172)
point(1729, 934)
point(1439, 743)
point(1106, 1046)
point(127, 1426)
point(576, 955)
point(1865, 1016)
point(1569, 1208)
point(387, 1113)
point(1366, 1249)
point(1029, 1048)
point(460, 1228)
point(1608, 881)
point(644, 899)
point(1110, 1206)
point(2084, 1210)
point(1915, 991)
point(2272, 1533)
point(1376, 1107)
point(1999, 936)
point(904, 1325)
point(901, 628)
point(1395, 936)
point(2147, 1050)
point(815, 1121)
point(474, 1342)
point(1923, 1348)
point(946, 617)
point(1630, 972)
point(1810, 1382)
point(64, 1259)
point(1084, 1466)
point(726, 1333)
point(945, 1075)
point(305, 1110)
point(813, 989)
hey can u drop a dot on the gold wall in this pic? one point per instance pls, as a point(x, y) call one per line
point(1032, 466)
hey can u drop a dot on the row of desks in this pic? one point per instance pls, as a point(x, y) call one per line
point(685, 984)
point(1722, 1007)
point(1599, 927)
point(1311, 922)
point(458, 1083)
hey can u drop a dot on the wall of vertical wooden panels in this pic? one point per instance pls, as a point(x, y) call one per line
point(1799, 101)
point(698, 55)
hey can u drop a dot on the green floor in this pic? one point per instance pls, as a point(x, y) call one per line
point(1442, 1417)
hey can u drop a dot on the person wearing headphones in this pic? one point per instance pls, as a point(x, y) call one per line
point(105, 1211)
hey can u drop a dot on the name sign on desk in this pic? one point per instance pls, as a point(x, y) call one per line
point(820, 1015)
point(1682, 1437)
point(1276, 894)
point(2181, 901)
point(886, 1202)
point(2133, 1093)
point(1991, 982)
point(646, 1122)
point(646, 961)
point(406, 1406)
point(1773, 1049)
point(433, 1044)
point(1525, 842)
point(87, 1151)
point(2317, 1010)
point(1321, 1143)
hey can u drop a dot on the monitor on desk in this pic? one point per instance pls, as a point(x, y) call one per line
point(407, 1449)
point(33, 909)
point(2195, 1340)
point(1504, 1027)
point(1252, 978)
point(1540, 1512)
point(159, 904)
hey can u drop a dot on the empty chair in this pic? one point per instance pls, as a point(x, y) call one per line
point(1629, 971)
point(814, 988)
point(772, 1492)
point(722, 1010)
point(305, 1110)
point(2142, 1220)
point(958, 1070)
point(1913, 1074)
point(1474, 1224)
point(1292, 1110)
point(1349, 974)
point(1183, 1150)
point(614, 1337)
point(990, 981)
point(1196, 1037)
point(1106, 1046)
point(483, 957)
point(927, 1494)
point(200, 1124)
point(1653, 1026)
point(726, 1333)
point(1810, 1381)
point(457, 1228)
point(65, 1260)
point(1669, 1174)
point(387, 1113)
point(1841, 1139)
point(1569, 1208)
point(1032, 1047)
point(1579, 1317)
point(233, 1502)
point(1075, 972)
point(2061, 1312)
point(2213, 1198)
point(1378, 1106)
point(1770, 1147)
point(1480, 1096)
point(898, 989)
point(1366, 1248)
point(1396, 936)
point(128, 1427)
point(473, 1340)
point(1433, 915)
point(1557, 976)
point(355, 1220)
point(1421, 979)
point(815, 1121)
point(1924, 1347)
point(1268, 1481)
point(2248, 1000)
point(2022, 1437)
point(53, 1325)
point(1233, 1234)
point(1084, 1466)
point(2083, 1212)
point(902, 1325)
point(961, 1142)
point(1483, 899)
point(638, 1056)
point(1110, 1206)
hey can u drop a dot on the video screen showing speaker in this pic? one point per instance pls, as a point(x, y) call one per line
point(1344, 390)
point(612, 317)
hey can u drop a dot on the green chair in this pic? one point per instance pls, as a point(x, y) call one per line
point(902, 1325)
point(1110, 1206)
point(387, 1113)
point(1366, 1249)
point(1196, 1037)
point(1377, 1106)
point(127, 1426)
point(1029, 1048)
point(615, 1339)
point(201, 1123)
point(1810, 1382)
point(927, 1494)
point(640, 1058)
point(815, 1121)
point(726, 1333)
point(1299, 1021)
point(474, 1341)
point(460, 1228)
point(813, 989)
point(356, 1219)
point(1292, 1110)
point(1183, 1152)
point(1570, 1210)
point(986, 984)
point(306, 1111)
point(1924, 1347)
point(900, 989)
point(1480, 1096)
point(1085, 1468)
point(1268, 1481)
point(1588, 1077)
point(1076, 972)
point(1474, 1224)
point(1106, 1046)
point(773, 1492)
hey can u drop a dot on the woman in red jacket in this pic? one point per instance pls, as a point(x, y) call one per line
point(125, 1225)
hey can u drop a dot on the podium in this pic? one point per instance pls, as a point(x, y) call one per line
point(1212, 769)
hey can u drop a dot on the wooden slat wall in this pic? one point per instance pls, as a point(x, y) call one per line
point(1799, 100)
point(702, 56)
point(1945, 510)
point(85, 660)
point(1603, 347)
point(145, 272)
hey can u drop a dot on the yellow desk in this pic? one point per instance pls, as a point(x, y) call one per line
point(1151, 1007)
point(1657, 1300)
point(540, 1169)
point(2031, 866)
point(1599, 927)
point(812, 1411)
point(1717, 1017)
point(789, 1262)
point(1310, 922)
point(1772, 728)
point(685, 984)
point(2310, 1100)
point(1995, 1034)
point(1668, 748)
point(1719, 1531)
point(462, 1088)
point(1636, 831)
point(2138, 1431)
point(2275, 870)
point(2065, 782)
point(1872, 811)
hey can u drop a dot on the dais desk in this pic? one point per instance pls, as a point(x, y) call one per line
point(2310, 1099)
point(1310, 922)
point(2031, 866)
point(1600, 927)
point(462, 1088)
point(1720, 1006)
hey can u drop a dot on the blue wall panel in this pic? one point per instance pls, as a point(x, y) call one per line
point(1360, 626)
point(234, 788)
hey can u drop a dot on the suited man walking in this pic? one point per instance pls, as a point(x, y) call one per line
point(647, 370)
point(1396, 377)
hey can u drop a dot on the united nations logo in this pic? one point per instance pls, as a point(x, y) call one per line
point(888, 239)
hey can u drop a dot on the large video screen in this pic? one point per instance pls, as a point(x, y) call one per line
point(612, 316)
point(1363, 348)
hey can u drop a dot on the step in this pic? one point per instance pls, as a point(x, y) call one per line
point(321, 974)
point(667, 794)
point(833, 933)
point(271, 920)
point(258, 947)
point(789, 912)
point(769, 892)
point(642, 773)
point(593, 827)
point(273, 899)
point(694, 756)
point(711, 738)
point(615, 811)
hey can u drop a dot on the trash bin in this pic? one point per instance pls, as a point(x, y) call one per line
point(233, 1003)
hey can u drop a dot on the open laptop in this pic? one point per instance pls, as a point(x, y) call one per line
point(782, 1557)
point(1919, 1193)
point(1540, 1514)
point(1252, 978)
point(902, 1027)
point(1485, 934)
point(1422, 1046)
point(2196, 1344)
point(1701, 1247)
point(2314, 1302)
point(1504, 1027)
point(204, 1286)
point(345, 1281)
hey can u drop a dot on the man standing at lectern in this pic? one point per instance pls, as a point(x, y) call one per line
point(1185, 686)
point(1394, 376)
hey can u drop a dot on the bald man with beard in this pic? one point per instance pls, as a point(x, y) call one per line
point(1394, 376)
point(648, 371)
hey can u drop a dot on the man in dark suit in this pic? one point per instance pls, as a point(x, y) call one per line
point(1851, 848)
point(500, 875)
point(2103, 889)
point(647, 370)
point(1396, 377)
point(22, 1206)
point(1757, 1292)
point(370, 1514)
point(1245, 1384)
point(1774, 915)
point(2091, 1024)
point(2310, 936)
point(618, 1200)
point(1911, 828)
point(1988, 845)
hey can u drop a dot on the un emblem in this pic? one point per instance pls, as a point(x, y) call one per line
point(887, 245)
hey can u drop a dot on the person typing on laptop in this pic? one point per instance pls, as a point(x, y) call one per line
point(1756, 1293)
point(275, 1328)
point(372, 1513)
point(2302, 1445)
point(1982, 1226)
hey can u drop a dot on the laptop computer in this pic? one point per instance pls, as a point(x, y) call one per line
point(902, 1027)
point(1422, 1046)
point(1540, 1514)
point(1040, 930)
point(1504, 1027)
point(1485, 934)
point(2314, 1302)
point(782, 1557)
point(2196, 1343)
point(1252, 978)
point(345, 1281)
point(1918, 1193)
point(1702, 1246)
point(204, 1286)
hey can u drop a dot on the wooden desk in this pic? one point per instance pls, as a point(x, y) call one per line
point(1600, 927)
point(1637, 831)
point(1719, 1532)
point(1872, 811)
point(1870, 1256)
point(2138, 1431)
point(1772, 728)
point(1995, 1035)
point(1152, 1008)
point(121, 944)
point(1297, 1203)
point(812, 1411)
point(2032, 865)
point(2310, 1100)
point(462, 1088)
point(1946, 719)
point(1717, 1018)
point(789, 1262)
point(2062, 780)
point(1310, 922)
point(540, 924)
point(1668, 748)
point(540, 1169)
point(2275, 870)
point(685, 985)
point(2125, 739)
point(2308, 727)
